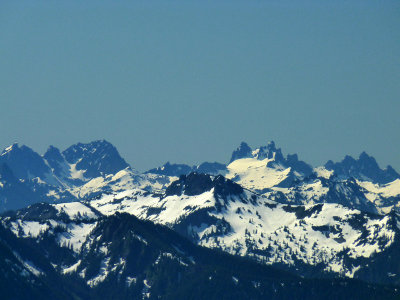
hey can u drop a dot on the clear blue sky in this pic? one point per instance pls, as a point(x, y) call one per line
point(188, 81)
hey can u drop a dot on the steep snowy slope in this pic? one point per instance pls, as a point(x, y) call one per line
point(288, 180)
point(265, 167)
point(384, 196)
point(255, 174)
point(257, 169)
point(122, 257)
point(123, 180)
point(314, 190)
point(217, 213)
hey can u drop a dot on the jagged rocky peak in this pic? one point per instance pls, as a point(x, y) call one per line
point(224, 187)
point(53, 154)
point(270, 151)
point(275, 157)
point(24, 162)
point(96, 158)
point(243, 151)
point(369, 164)
point(367, 158)
point(55, 160)
point(363, 168)
point(293, 161)
point(392, 172)
point(199, 183)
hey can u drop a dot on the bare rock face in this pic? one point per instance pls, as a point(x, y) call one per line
point(364, 168)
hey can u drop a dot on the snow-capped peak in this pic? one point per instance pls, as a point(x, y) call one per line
point(9, 148)
point(95, 159)
point(198, 183)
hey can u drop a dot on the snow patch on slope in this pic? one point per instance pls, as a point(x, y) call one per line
point(323, 172)
point(391, 189)
point(75, 235)
point(266, 230)
point(75, 209)
point(254, 174)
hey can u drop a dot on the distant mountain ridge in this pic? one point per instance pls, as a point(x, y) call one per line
point(95, 237)
point(82, 170)
point(85, 170)
point(96, 158)
point(177, 170)
point(95, 242)
point(80, 160)
point(364, 168)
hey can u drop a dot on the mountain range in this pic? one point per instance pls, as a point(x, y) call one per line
point(82, 223)
point(83, 171)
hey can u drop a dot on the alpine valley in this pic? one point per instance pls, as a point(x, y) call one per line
point(83, 224)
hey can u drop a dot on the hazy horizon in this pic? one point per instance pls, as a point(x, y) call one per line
point(226, 161)
point(186, 82)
